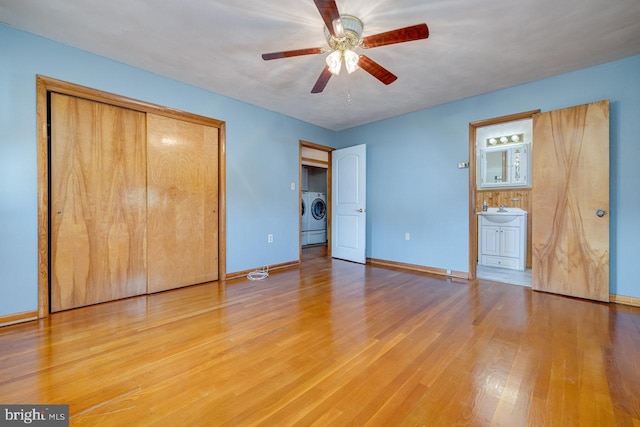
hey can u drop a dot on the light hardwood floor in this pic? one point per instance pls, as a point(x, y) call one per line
point(333, 343)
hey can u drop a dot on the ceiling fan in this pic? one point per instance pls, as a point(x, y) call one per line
point(343, 34)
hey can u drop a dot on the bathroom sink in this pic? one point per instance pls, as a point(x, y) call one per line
point(500, 217)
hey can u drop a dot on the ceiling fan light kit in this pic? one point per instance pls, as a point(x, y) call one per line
point(344, 34)
point(342, 46)
point(351, 60)
point(334, 62)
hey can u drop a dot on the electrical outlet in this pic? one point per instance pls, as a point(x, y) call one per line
point(407, 236)
point(269, 238)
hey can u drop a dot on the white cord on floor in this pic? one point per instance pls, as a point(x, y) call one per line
point(259, 274)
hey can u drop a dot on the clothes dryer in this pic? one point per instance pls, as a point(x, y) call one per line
point(318, 211)
point(306, 213)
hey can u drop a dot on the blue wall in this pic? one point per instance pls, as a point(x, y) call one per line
point(262, 158)
point(414, 185)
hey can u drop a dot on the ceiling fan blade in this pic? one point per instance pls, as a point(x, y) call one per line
point(401, 35)
point(322, 80)
point(329, 12)
point(376, 70)
point(289, 53)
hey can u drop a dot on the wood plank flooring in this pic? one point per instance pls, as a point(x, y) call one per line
point(333, 343)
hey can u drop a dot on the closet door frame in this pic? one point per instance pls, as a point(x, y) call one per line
point(46, 85)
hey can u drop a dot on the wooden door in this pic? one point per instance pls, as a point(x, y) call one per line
point(98, 202)
point(570, 185)
point(349, 190)
point(182, 204)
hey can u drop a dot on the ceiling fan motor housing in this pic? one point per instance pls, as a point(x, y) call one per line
point(343, 34)
point(352, 30)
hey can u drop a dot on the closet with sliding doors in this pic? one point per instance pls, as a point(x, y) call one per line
point(133, 197)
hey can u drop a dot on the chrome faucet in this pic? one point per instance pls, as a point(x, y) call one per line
point(501, 209)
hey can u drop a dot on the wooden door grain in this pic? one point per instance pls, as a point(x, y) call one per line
point(570, 183)
point(182, 199)
point(98, 206)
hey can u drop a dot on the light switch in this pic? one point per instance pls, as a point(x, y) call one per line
point(293, 186)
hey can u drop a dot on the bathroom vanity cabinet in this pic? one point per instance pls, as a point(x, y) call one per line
point(502, 239)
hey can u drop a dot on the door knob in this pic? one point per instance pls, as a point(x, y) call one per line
point(600, 212)
point(360, 210)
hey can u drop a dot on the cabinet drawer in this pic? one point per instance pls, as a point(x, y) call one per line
point(496, 261)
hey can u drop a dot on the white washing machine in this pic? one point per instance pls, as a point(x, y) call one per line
point(317, 211)
point(315, 237)
point(317, 218)
point(305, 213)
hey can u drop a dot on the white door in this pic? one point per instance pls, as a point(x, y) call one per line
point(349, 219)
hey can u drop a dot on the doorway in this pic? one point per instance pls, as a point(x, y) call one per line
point(569, 201)
point(315, 200)
point(314, 206)
point(507, 195)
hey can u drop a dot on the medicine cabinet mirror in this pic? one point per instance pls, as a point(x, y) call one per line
point(504, 155)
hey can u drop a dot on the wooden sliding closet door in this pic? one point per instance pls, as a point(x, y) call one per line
point(182, 180)
point(570, 201)
point(98, 203)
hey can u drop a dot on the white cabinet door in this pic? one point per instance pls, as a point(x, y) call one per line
point(490, 240)
point(510, 242)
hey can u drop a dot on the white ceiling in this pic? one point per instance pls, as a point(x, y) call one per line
point(474, 46)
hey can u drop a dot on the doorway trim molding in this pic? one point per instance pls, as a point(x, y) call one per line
point(45, 85)
point(328, 150)
point(473, 220)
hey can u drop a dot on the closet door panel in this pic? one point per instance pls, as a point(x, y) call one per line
point(98, 203)
point(182, 199)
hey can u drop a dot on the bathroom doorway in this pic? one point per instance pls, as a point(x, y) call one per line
point(501, 193)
